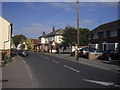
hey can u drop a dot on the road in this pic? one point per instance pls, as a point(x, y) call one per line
point(52, 72)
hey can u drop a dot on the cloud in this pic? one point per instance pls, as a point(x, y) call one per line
point(60, 0)
point(87, 21)
point(65, 6)
point(34, 30)
point(36, 27)
point(101, 4)
point(30, 5)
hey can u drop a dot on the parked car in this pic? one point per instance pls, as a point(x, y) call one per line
point(83, 52)
point(23, 52)
point(111, 55)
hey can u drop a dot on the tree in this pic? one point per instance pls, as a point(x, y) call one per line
point(17, 39)
point(29, 43)
point(83, 36)
point(70, 36)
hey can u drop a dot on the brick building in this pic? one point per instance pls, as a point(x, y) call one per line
point(105, 36)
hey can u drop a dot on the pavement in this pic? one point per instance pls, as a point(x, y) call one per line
point(101, 64)
point(16, 75)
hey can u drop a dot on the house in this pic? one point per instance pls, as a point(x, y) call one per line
point(43, 43)
point(5, 36)
point(51, 42)
point(105, 37)
point(35, 44)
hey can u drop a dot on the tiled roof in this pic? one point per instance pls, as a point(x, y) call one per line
point(56, 32)
point(43, 35)
point(35, 41)
point(107, 27)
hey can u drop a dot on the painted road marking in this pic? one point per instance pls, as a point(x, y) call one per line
point(55, 61)
point(47, 58)
point(71, 68)
point(102, 83)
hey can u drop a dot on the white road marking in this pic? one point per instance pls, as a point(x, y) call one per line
point(55, 61)
point(71, 68)
point(102, 83)
point(47, 58)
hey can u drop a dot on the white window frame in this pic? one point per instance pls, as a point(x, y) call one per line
point(89, 37)
point(105, 34)
point(113, 33)
point(96, 36)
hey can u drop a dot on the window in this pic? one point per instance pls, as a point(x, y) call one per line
point(89, 37)
point(96, 36)
point(105, 34)
point(113, 33)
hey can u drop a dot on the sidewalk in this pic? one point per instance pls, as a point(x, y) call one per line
point(16, 75)
point(94, 63)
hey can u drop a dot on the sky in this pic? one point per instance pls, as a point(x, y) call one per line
point(32, 18)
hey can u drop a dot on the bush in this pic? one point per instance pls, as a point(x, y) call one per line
point(4, 56)
point(5, 59)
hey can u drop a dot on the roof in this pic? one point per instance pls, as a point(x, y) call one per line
point(56, 32)
point(106, 27)
point(35, 41)
point(44, 35)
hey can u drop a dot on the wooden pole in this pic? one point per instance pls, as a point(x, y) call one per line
point(78, 32)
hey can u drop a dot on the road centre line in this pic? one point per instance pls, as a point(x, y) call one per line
point(55, 61)
point(71, 68)
point(47, 58)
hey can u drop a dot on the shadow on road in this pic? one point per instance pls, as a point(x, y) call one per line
point(4, 80)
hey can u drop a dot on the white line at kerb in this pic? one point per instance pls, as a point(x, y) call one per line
point(71, 68)
point(55, 61)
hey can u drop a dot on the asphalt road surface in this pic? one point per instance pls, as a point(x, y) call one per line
point(52, 72)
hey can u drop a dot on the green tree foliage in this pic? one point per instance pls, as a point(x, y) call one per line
point(83, 36)
point(17, 39)
point(29, 43)
point(70, 36)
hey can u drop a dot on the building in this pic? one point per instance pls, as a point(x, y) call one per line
point(35, 45)
point(105, 37)
point(5, 36)
point(43, 43)
point(51, 42)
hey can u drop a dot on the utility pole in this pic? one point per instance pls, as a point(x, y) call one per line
point(78, 32)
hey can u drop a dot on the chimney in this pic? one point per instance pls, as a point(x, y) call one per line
point(43, 32)
point(53, 28)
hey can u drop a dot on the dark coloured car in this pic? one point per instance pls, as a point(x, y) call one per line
point(23, 52)
point(111, 55)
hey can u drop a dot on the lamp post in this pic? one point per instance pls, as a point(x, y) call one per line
point(78, 32)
